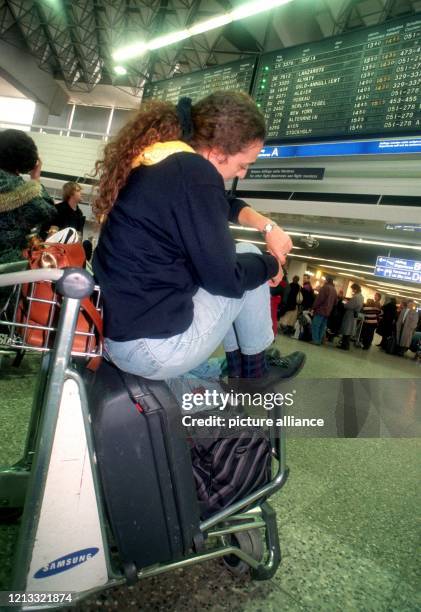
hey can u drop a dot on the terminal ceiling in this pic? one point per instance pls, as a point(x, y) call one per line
point(73, 39)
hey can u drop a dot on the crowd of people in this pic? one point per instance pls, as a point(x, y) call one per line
point(321, 316)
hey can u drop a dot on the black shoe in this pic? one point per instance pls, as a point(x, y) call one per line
point(344, 348)
point(280, 369)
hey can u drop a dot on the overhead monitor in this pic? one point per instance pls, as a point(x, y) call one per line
point(363, 83)
point(234, 76)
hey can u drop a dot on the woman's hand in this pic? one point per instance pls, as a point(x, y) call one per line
point(279, 244)
point(275, 280)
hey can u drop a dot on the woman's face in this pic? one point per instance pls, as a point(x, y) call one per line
point(231, 166)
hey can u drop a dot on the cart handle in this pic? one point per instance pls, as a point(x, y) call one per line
point(75, 283)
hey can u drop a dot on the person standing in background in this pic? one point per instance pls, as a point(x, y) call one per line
point(322, 309)
point(294, 298)
point(308, 293)
point(352, 308)
point(68, 211)
point(377, 300)
point(388, 318)
point(405, 327)
point(371, 318)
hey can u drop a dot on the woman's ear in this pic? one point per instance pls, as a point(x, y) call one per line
point(216, 154)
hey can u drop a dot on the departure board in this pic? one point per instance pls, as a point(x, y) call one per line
point(362, 83)
point(196, 85)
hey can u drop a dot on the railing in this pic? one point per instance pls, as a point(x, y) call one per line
point(49, 129)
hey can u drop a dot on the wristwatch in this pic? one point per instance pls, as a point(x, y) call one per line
point(268, 227)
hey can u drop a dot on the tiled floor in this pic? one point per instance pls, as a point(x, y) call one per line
point(349, 515)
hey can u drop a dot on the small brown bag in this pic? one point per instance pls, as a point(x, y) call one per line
point(39, 305)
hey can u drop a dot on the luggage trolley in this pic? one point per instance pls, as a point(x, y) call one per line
point(358, 326)
point(71, 535)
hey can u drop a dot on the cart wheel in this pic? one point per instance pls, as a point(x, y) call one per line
point(249, 542)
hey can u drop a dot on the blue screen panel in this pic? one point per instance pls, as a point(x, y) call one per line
point(329, 149)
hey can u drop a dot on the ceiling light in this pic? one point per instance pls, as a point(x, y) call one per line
point(335, 267)
point(135, 50)
point(210, 24)
point(321, 259)
point(241, 12)
point(357, 240)
point(253, 8)
point(401, 287)
point(120, 70)
point(395, 245)
point(168, 39)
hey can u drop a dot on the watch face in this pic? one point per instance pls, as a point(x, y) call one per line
point(268, 227)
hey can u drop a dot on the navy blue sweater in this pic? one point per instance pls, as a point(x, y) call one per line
point(166, 236)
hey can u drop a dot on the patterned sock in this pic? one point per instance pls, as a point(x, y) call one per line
point(234, 363)
point(254, 366)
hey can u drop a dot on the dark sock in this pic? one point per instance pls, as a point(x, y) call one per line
point(254, 366)
point(234, 363)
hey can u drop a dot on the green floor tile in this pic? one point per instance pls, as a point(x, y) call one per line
point(373, 498)
point(326, 575)
point(405, 599)
point(326, 361)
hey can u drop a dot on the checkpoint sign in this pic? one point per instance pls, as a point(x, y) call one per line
point(399, 269)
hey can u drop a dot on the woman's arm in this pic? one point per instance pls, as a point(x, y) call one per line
point(278, 242)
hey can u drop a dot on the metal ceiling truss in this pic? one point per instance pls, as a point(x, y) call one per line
point(74, 39)
point(363, 13)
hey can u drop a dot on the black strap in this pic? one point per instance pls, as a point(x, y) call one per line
point(134, 389)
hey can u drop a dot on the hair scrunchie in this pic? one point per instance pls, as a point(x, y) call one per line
point(183, 108)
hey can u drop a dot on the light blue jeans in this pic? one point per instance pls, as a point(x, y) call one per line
point(243, 323)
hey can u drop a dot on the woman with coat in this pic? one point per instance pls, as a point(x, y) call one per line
point(405, 327)
point(352, 308)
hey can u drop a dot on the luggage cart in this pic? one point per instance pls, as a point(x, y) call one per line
point(65, 544)
point(358, 326)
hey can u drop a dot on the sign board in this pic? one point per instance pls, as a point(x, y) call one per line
point(343, 148)
point(399, 269)
point(235, 75)
point(352, 85)
point(294, 174)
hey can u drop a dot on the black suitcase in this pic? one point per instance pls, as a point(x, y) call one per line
point(145, 467)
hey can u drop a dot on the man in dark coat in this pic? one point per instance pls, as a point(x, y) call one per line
point(322, 308)
point(387, 323)
point(308, 293)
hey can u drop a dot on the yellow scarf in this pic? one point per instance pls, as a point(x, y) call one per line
point(159, 151)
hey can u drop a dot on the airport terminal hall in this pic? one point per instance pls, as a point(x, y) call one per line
point(210, 305)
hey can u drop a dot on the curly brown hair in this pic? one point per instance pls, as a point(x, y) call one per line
point(155, 121)
point(229, 120)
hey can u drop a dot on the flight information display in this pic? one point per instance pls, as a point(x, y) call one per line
point(196, 85)
point(362, 83)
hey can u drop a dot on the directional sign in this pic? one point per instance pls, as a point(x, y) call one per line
point(340, 148)
point(399, 269)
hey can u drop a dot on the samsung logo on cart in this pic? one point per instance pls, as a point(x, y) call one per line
point(65, 563)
